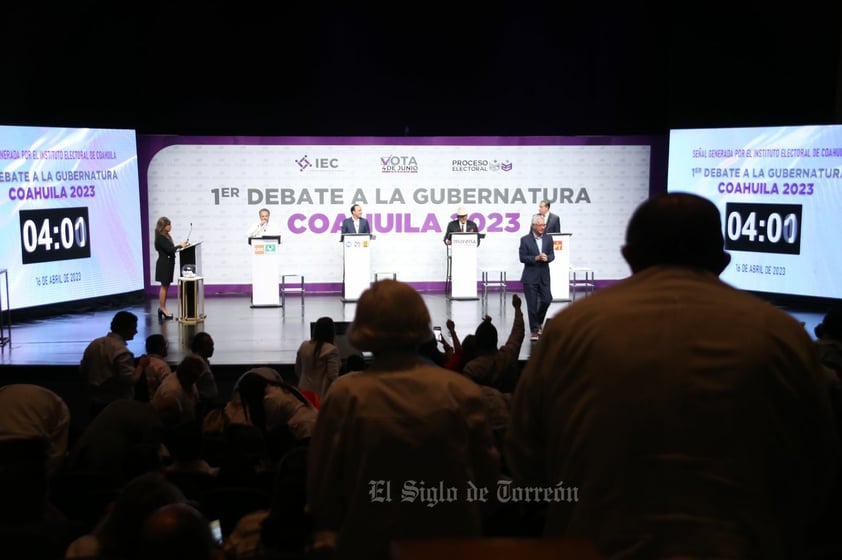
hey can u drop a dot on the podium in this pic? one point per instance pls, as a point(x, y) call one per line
point(463, 265)
point(265, 270)
point(192, 255)
point(191, 299)
point(356, 267)
point(560, 267)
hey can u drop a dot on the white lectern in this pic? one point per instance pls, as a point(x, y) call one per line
point(265, 270)
point(560, 267)
point(463, 265)
point(356, 268)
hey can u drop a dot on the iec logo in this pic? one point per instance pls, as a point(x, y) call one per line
point(303, 163)
point(318, 163)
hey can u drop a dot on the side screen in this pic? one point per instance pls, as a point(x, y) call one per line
point(779, 190)
point(70, 216)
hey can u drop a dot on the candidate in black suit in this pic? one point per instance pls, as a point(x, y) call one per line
point(356, 223)
point(552, 222)
point(536, 273)
point(165, 265)
point(460, 224)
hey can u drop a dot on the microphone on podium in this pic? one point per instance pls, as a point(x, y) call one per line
point(189, 232)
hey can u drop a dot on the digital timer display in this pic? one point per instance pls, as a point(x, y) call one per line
point(763, 228)
point(56, 234)
point(778, 190)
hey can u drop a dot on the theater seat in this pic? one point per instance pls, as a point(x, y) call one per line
point(494, 549)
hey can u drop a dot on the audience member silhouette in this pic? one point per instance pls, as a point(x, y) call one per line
point(187, 467)
point(184, 444)
point(493, 366)
point(178, 532)
point(35, 412)
point(430, 353)
point(270, 404)
point(155, 369)
point(117, 436)
point(181, 386)
point(828, 344)
point(430, 349)
point(674, 415)
point(217, 419)
point(454, 360)
point(245, 457)
point(202, 346)
point(108, 366)
point(829, 339)
point(354, 362)
point(285, 529)
point(119, 534)
point(467, 351)
point(270, 374)
point(317, 361)
point(399, 420)
point(30, 526)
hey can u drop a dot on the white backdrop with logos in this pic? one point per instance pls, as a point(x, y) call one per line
point(408, 193)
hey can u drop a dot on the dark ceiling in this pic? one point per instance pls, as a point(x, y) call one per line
point(425, 69)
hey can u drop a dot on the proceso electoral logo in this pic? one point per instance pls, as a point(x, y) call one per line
point(467, 165)
point(398, 164)
point(324, 164)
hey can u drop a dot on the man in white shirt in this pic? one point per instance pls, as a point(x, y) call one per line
point(263, 227)
point(108, 365)
point(31, 411)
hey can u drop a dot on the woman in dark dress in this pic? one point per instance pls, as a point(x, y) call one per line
point(165, 265)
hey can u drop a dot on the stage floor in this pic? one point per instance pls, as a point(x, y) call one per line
point(246, 336)
point(242, 335)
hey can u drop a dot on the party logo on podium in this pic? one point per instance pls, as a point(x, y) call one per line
point(265, 248)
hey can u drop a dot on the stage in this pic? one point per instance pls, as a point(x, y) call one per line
point(248, 336)
point(244, 336)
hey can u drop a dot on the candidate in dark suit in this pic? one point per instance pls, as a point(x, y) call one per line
point(356, 223)
point(536, 254)
point(460, 224)
point(552, 223)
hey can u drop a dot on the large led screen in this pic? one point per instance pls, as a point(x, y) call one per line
point(70, 214)
point(779, 190)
